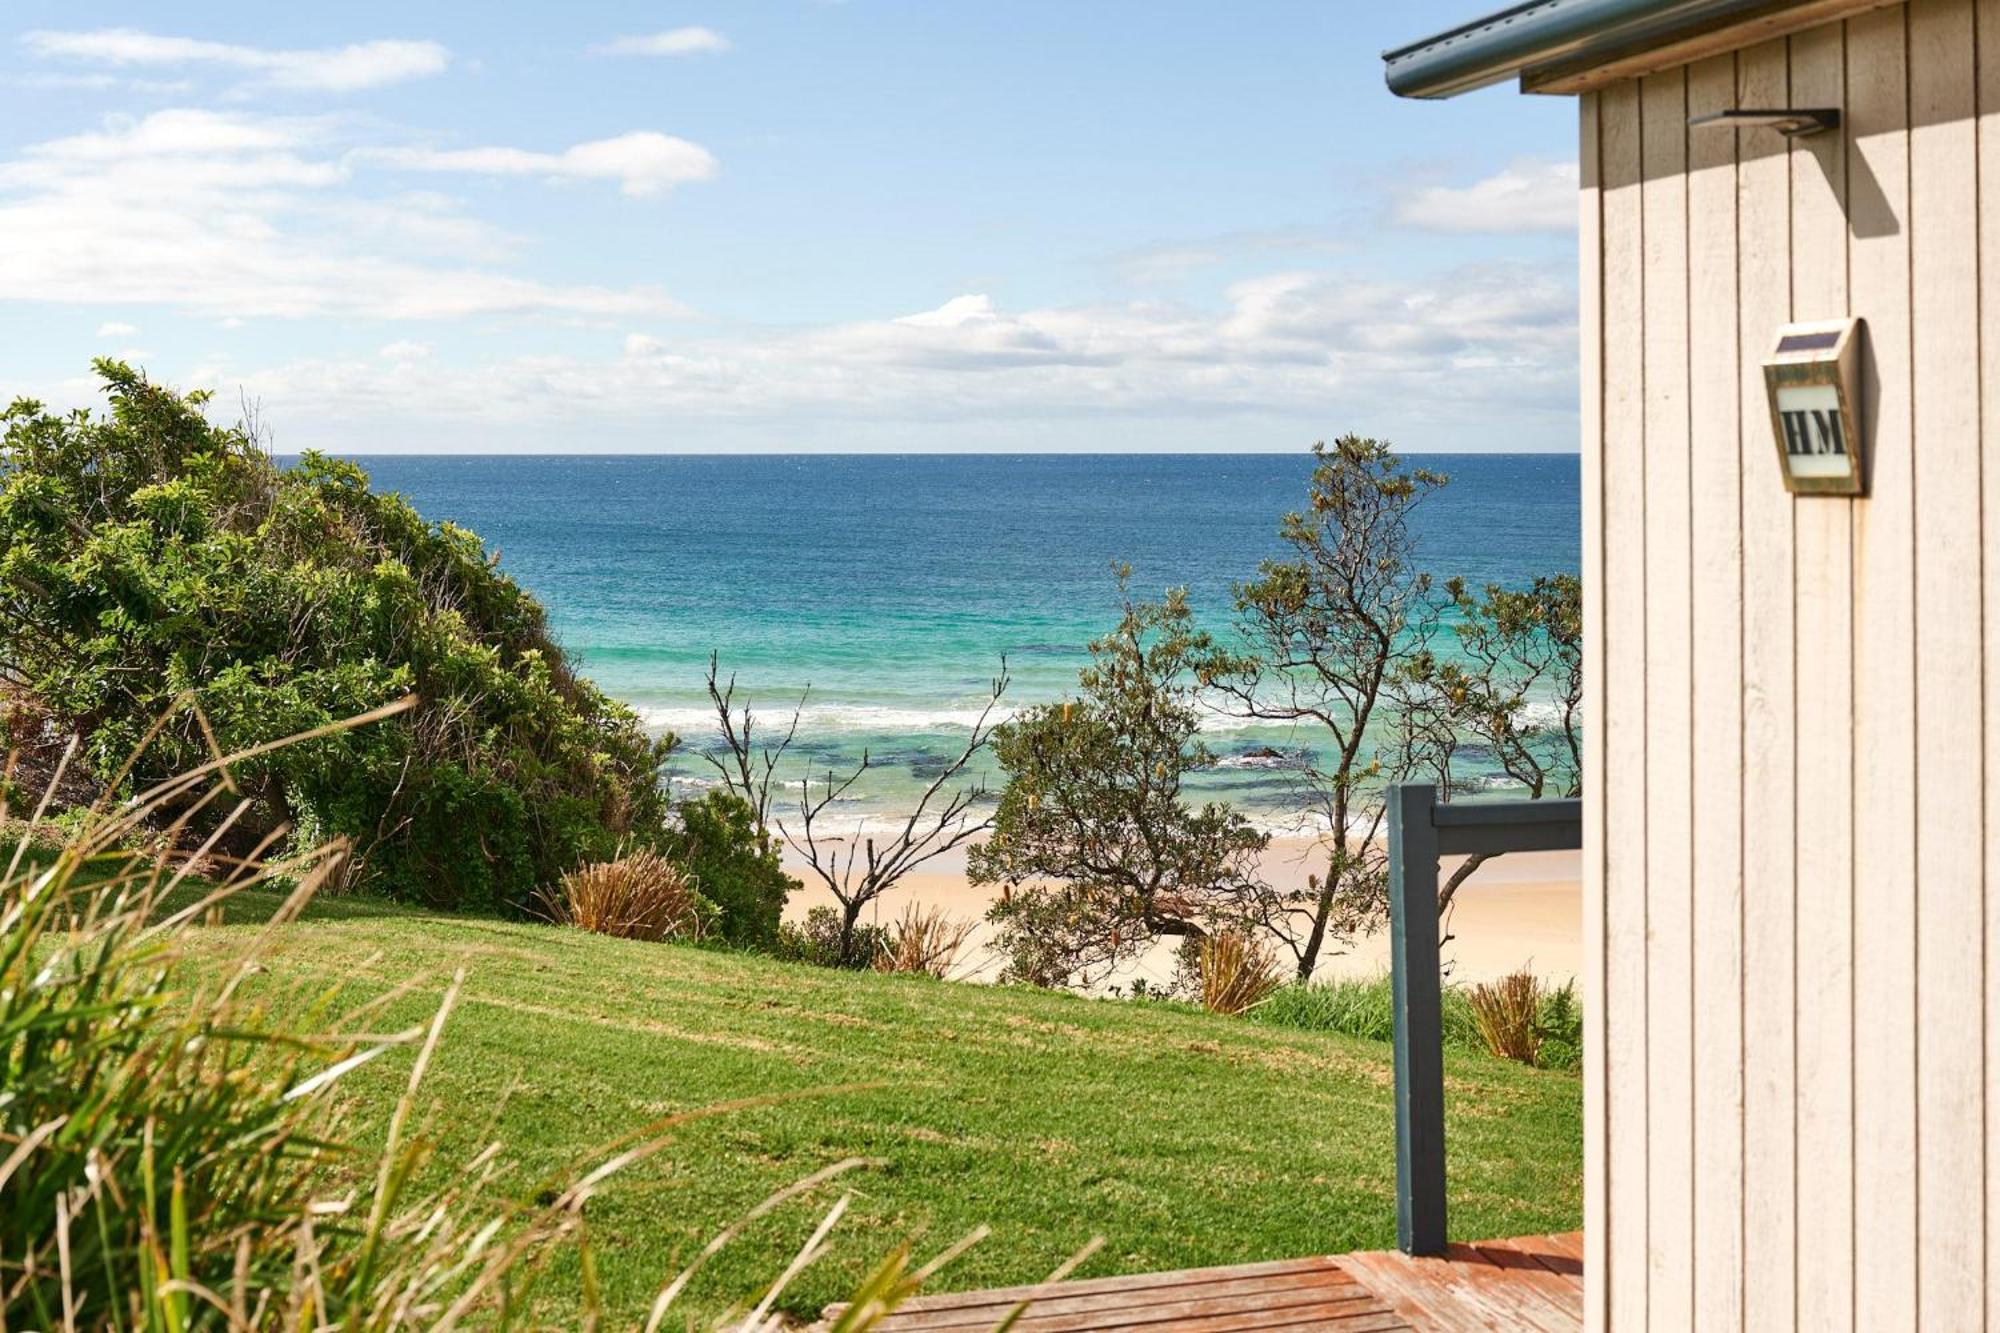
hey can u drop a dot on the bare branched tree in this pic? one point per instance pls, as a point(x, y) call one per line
point(858, 868)
point(747, 770)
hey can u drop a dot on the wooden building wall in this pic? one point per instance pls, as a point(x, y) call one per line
point(1795, 749)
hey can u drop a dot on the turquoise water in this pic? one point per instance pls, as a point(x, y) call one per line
point(893, 585)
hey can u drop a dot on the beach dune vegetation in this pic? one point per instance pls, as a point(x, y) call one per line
point(163, 581)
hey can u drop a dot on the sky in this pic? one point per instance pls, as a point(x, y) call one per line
point(787, 225)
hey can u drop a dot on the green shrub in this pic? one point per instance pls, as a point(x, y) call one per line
point(816, 940)
point(1561, 1027)
point(157, 570)
point(736, 866)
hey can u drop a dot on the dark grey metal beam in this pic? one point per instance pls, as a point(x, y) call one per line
point(1414, 987)
point(1421, 829)
point(1496, 827)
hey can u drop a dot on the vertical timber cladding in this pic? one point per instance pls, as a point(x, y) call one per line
point(1791, 940)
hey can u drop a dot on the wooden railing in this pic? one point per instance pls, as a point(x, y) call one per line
point(1421, 829)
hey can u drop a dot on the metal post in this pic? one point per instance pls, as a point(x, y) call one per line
point(1413, 955)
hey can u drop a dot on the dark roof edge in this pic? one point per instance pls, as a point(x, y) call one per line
point(1542, 36)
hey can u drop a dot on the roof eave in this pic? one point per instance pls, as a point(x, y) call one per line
point(1574, 45)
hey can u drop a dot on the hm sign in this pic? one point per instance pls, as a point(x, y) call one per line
point(1815, 438)
point(1814, 389)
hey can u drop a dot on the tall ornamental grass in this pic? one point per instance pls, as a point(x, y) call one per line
point(925, 941)
point(1507, 1011)
point(173, 1155)
point(638, 896)
point(1237, 972)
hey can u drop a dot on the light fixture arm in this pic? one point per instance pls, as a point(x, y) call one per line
point(1792, 123)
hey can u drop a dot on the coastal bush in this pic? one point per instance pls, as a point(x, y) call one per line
point(162, 580)
point(1365, 1008)
point(1361, 1007)
point(1561, 1025)
point(735, 864)
point(826, 939)
point(639, 896)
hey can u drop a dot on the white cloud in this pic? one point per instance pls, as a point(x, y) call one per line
point(335, 69)
point(405, 349)
point(248, 215)
point(1527, 195)
point(52, 81)
point(673, 42)
point(644, 162)
point(1483, 352)
point(116, 329)
point(1163, 266)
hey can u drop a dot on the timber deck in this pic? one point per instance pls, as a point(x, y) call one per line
point(1531, 1283)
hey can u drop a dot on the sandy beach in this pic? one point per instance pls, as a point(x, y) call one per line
point(1515, 911)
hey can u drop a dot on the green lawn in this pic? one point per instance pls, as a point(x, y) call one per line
point(1183, 1138)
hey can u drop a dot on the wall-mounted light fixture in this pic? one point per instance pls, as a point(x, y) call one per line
point(1814, 382)
point(1791, 124)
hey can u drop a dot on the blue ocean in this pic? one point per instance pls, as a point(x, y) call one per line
point(887, 589)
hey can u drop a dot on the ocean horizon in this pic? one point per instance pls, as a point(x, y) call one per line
point(885, 589)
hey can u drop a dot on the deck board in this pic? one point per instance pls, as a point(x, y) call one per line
point(1532, 1283)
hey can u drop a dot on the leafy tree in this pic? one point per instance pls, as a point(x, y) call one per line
point(1525, 650)
point(162, 581)
point(1514, 690)
point(1097, 852)
point(1327, 629)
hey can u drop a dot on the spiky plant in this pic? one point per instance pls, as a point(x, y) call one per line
point(639, 896)
point(924, 940)
point(1508, 1012)
point(1237, 972)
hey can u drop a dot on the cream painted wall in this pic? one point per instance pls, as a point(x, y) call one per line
point(1795, 1061)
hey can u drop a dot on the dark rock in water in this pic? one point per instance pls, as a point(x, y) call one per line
point(1265, 757)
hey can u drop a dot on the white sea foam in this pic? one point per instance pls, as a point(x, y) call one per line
point(1539, 713)
point(824, 719)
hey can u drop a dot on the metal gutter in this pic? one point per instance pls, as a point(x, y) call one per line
point(1542, 41)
